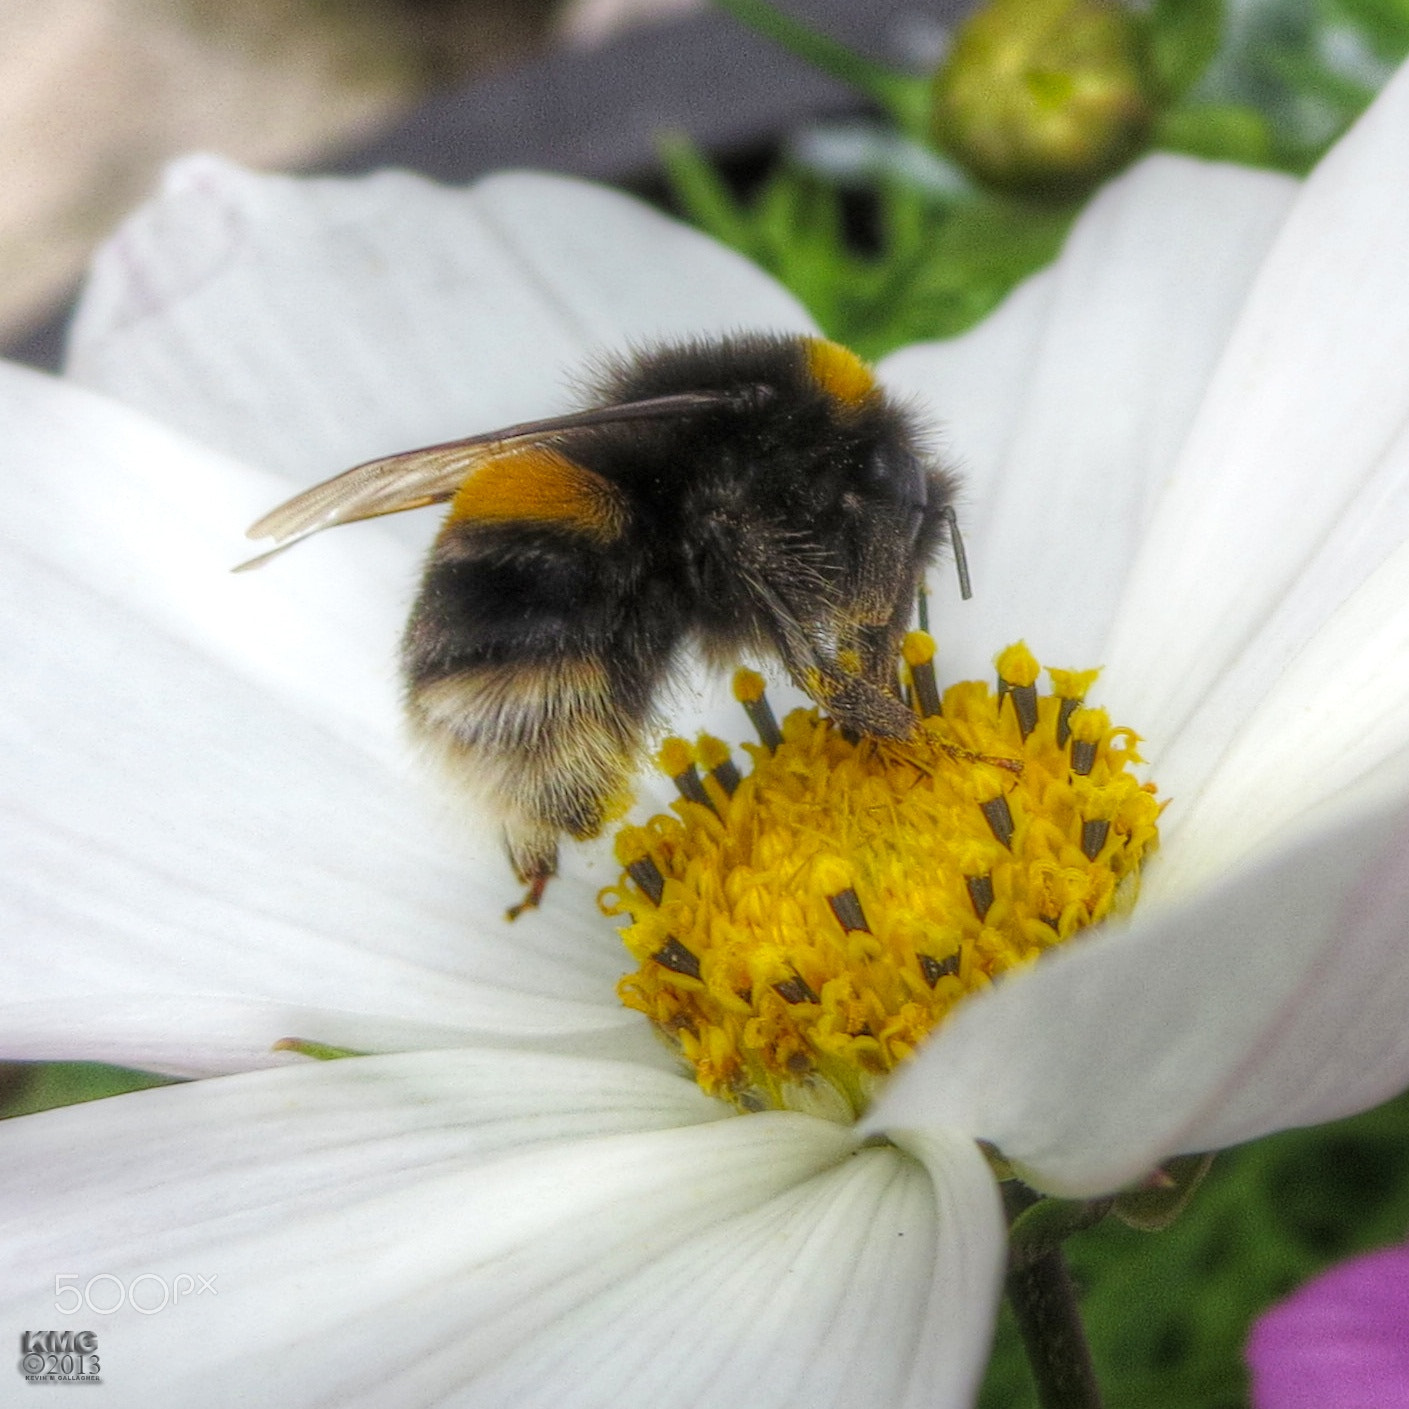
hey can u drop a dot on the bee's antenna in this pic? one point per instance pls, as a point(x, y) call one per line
point(961, 558)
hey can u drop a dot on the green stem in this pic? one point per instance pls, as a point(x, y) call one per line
point(1043, 1298)
point(902, 95)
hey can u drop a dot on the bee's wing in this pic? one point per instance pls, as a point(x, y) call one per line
point(408, 481)
point(432, 475)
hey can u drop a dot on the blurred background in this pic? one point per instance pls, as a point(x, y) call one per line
point(95, 95)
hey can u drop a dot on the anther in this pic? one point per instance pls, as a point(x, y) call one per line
point(678, 764)
point(795, 990)
point(1017, 676)
point(748, 690)
point(646, 874)
point(1070, 687)
point(918, 650)
point(847, 908)
point(980, 894)
point(999, 817)
point(713, 755)
point(1024, 699)
point(935, 969)
point(1093, 837)
point(1088, 728)
point(674, 956)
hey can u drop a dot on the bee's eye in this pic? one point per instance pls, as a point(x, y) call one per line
point(892, 473)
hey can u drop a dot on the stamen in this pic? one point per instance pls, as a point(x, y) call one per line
point(980, 894)
point(1088, 727)
point(714, 758)
point(1069, 707)
point(647, 875)
point(748, 690)
point(1017, 678)
point(800, 941)
point(632, 850)
point(918, 650)
point(1070, 687)
point(677, 763)
point(795, 990)
point(1093, 837)
point(999, 817)
point(847, 908)
point(936, 969)
point(674, 956)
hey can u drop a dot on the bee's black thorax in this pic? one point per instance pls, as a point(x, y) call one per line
point(786, 478)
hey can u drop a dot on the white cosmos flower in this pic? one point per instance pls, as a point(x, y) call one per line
point(1186, 459)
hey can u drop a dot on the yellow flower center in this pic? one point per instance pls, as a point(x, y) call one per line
point(800, 929)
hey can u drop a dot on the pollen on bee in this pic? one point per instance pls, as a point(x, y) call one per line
point(839, 371)
point(797, 945)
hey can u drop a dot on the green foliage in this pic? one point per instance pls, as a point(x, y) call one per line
point(1218, 132)
point(1183, 37)
point(1272, 84)
point(1167, 1313)
point(1307, 68)
point(945, 260)
point(27, 1087)
point(1383, 24)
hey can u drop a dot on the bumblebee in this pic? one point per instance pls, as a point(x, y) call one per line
point(754, 494)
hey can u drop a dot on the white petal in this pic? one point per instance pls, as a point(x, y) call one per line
point(310, 324)
point(1311, 698)
point(1341, 1045)
point(465, 1229)
point(150, 523)
point(1308, 401)
point(850, 1289)
point(204, 784)
point(1066, 409)
point(173, 830)
point(1330, 731)
point(1264, 1001)
point(972, 1260)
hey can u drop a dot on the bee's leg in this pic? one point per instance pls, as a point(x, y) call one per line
point(533, 853)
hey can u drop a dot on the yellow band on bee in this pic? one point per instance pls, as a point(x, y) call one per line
point(537, 484)
point(839, 371)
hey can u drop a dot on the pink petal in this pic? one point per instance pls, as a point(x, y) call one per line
point(1341, 1342)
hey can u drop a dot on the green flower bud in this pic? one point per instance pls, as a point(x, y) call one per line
point(1045, 97)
